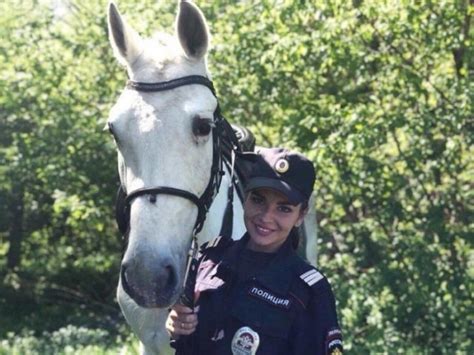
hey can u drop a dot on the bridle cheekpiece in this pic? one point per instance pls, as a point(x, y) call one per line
point(202, 202)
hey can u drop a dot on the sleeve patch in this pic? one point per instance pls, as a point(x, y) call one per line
point(311, 277)
point(334, 342)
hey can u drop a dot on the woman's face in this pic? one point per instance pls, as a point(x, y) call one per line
point(269, 218)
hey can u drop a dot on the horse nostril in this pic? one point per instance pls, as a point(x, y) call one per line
point(171, 277)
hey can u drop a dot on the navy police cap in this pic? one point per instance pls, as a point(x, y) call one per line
point(288, 172)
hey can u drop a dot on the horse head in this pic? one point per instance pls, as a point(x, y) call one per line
point(163, 138)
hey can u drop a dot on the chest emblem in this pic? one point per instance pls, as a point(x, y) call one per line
point(245, 342)
point(269, 297)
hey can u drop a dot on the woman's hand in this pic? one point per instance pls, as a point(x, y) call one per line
point(181, 321)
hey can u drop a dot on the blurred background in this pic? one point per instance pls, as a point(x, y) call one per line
point(377, 93)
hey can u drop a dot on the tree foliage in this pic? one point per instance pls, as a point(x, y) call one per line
point(378, 94)
point(57, 165)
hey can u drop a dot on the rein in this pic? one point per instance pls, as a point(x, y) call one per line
point(203, 202)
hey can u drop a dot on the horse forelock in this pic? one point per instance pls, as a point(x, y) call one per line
point(162, 58)
point(137, 114)
point(155, 140)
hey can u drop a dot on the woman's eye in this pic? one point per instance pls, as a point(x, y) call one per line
point(256, 199)
point(285, 209)
point(201, 126)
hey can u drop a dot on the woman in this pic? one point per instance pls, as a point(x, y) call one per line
point(256, 295)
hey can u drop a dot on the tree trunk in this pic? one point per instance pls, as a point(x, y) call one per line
point(15, 235)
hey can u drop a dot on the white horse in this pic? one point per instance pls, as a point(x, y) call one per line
point(165, 139)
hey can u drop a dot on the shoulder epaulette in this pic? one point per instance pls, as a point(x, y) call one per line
point(214, 243)
point(311, 277)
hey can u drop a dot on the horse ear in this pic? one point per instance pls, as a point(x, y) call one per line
point(125, 41)
point(192, 30)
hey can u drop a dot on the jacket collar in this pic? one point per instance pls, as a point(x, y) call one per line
point(279, 273)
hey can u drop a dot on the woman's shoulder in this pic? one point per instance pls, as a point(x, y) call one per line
point(215, 248)
point(217, 242)
point(309, 276)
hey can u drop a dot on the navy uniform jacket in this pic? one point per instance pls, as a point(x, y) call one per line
point(288, 306)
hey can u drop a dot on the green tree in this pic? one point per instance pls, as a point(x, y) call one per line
point(57, 179)
point(378, 94)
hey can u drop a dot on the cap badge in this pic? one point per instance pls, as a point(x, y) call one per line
point(245, 342)
point(282, 166)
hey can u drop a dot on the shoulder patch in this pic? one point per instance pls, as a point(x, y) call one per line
point(211, 244)
point(311, 277)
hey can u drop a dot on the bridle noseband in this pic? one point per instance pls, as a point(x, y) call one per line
point(205, 200)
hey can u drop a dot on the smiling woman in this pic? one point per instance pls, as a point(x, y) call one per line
point(257, 294)
point(269, 218)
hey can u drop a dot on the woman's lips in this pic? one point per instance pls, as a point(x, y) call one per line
point(263, 231)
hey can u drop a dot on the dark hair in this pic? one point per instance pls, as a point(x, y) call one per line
point(294, 238)
point(304, 205)
point(294, 233)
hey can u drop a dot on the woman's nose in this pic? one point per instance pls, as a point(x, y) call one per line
point(266, 214)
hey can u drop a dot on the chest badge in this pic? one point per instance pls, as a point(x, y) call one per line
point(245, 342)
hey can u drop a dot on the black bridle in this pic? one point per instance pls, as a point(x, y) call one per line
point(203, 202)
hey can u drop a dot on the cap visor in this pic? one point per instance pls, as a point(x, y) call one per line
point(294, 196)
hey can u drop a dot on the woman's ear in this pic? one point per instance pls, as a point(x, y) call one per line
point(300, 219)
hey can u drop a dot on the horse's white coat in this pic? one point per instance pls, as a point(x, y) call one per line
point(156, 147)
point(148, 323)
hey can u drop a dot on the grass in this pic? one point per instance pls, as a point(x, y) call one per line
point(68, 340)
point(32, 324)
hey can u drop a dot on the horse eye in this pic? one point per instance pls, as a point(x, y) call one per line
point(110, 129)
point(201, 126)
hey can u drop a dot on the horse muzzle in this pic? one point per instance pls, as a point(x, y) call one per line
point(157, 286)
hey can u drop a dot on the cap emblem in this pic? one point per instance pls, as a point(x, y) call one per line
point(282, 166)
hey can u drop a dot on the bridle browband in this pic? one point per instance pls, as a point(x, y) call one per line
point(171, 84)
point(205, 200)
